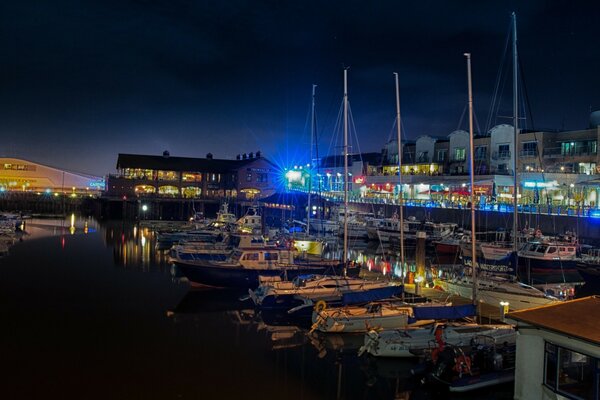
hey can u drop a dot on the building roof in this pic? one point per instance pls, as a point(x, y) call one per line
point(169, 163)
point(576, 318)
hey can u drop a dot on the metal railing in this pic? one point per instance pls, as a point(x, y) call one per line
point(557, 152)
point(501, 155)
point(528, 153)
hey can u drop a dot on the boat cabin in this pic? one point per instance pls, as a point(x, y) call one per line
point(550, 250)
point(262, 258)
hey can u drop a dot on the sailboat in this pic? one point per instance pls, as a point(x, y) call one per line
point(495, 258)
point(308, 291)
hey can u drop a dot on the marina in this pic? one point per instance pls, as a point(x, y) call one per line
point(315, 200)
point(124, 333)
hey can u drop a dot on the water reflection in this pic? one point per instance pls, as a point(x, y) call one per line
point(134, 247)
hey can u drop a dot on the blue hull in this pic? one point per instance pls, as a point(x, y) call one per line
point(204, 256)
point(506, 265)
point(235, 277)
point(284, 302)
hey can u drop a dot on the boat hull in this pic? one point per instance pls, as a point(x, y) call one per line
point(516, 301)
point(238, 277)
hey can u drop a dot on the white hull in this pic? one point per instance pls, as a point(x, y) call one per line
point(493, 296)
point(405, 343)
point(343, 321)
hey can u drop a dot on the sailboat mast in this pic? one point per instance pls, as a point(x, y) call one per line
point(310, 166)
point(345, 255)
point(400, 193)
point(472, 176)
point(516, 133)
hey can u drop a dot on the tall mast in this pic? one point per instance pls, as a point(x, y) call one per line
point(516, 133)
point(471, 175)
point(400, 192)
point(310, 166)
point(345, 256)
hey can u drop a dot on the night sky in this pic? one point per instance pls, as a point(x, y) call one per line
point(81, 81)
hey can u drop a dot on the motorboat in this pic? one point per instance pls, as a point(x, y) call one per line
point(305, 291)
point(412, 342)
point(375, 315)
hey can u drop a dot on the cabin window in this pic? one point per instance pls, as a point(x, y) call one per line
point(562, 249)
point(271, 256)
point(541, 249)
point(570, 373)
point(552, 250)
point(571, 249)
point(250, 257)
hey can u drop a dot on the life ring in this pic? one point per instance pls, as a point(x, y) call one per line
point(320, 306)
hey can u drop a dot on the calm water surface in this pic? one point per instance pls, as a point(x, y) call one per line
point(93, 312)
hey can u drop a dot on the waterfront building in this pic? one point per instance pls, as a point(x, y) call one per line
point(554, 169)
point(558, 351)
point(18, 175)
point(248, 177)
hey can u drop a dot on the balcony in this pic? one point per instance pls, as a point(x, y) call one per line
point(501, 155)
point(559, 152)
point(528, 153)
point(458, 158)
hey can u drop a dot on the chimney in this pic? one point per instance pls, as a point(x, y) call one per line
point(209, 156)
point(166, 154)
point(244, 156)
point(258, 154)
point(238, 157)
point(251, 155)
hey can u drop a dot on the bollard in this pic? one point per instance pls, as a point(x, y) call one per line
point(503, 309)
point(420, 261)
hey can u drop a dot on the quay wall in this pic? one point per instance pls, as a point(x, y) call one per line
point(32, 203)
point(588, 229)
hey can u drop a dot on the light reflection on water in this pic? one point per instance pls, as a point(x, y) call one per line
point(98, 311)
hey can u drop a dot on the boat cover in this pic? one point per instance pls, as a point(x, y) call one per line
point(444, 312)
point(366, 296)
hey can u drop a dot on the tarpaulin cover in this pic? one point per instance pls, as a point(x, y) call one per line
point(371, 295)
point(444, 312)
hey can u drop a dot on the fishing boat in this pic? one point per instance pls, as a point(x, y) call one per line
point(250, 222)
point(243, 267)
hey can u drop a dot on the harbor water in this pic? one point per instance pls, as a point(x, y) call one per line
point(93, 311)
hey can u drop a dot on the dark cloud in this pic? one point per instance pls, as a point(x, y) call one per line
point(91, 79)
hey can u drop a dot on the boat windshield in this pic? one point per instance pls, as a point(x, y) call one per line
point(236, 255)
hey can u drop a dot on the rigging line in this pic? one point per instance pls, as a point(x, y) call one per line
point(492, 111)
point(462, 116)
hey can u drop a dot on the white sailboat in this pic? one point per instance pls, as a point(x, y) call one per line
point(490, 288)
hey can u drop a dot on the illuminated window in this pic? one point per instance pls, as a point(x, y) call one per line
point(459, 154)
point(191, 177)
point(168, 191)
point(249, 177)
point(168, 176)
point(191, 192)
